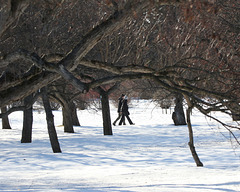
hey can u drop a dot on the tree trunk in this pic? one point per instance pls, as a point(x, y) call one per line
point(5, 120)
point(50, 122)
point(233, 107)
point(191, 141)
point(236, 117)
point(74, 115)
point(107, 127)
point(27, 122)
point(68, 112)
point(67, 118)
point(178, 114)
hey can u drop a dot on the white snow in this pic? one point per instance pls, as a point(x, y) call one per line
point(150, 156)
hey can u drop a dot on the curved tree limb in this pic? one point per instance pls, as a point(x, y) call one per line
point(72, 60)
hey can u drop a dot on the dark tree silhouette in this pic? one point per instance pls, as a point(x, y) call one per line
point(50, 122)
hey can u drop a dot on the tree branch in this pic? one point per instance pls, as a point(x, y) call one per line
point(72, 79)
point(71, 61)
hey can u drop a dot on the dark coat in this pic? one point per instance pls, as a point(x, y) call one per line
point(120, 101)
point(125, 107)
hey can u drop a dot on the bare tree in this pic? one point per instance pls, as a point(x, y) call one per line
point(191, 50)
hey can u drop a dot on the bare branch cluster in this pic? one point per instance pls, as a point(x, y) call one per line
point(186, 47)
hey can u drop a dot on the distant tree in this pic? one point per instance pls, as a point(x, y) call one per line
point(5, 120)
point(178, 115)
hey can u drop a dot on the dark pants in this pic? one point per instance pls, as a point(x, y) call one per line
point(119, 116)
point(123, 119)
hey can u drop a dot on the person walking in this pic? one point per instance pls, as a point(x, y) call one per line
point(125, 112)
point(120, 101)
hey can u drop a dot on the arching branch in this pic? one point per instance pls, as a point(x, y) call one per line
point(72, 60)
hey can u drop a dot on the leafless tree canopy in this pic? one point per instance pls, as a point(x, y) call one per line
point(189, 47)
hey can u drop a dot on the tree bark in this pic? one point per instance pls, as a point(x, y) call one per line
point(67, 118)
point(234, 108)
point(178, 115)
point(14, 9)
point(71, 115)
point(191, 141)
point(68, 110)
point(74, 115)
point(5, 120)
point(27, 121)
point(107, 126)
point(50, 122)
point(236, 117)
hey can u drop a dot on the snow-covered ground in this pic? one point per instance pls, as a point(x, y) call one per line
point(150, 156)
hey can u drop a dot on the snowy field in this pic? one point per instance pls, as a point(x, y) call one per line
point(150, 156)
